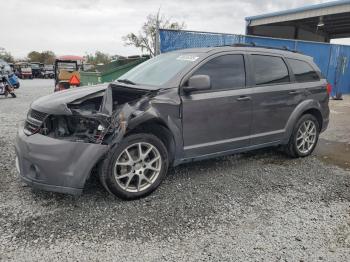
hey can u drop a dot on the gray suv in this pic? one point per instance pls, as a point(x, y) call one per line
point(178, 107)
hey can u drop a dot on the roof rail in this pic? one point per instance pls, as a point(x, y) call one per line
point(253, 44)
point(284, 48)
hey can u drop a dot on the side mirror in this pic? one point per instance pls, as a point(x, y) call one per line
point(197, 83)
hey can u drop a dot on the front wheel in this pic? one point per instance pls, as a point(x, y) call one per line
point(304, 137)
point(136, 166)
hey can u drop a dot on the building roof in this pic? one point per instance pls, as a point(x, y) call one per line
point(329, 8)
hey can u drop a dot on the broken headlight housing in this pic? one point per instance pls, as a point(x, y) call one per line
point(74, 128)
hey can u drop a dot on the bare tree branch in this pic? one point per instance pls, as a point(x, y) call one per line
point(145, 39)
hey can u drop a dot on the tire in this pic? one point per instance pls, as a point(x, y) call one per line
point(128, 185)
point(297, 147)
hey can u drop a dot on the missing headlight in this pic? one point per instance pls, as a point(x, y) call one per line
point(74, 128)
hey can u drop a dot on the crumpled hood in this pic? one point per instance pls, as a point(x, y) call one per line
point(56, 103)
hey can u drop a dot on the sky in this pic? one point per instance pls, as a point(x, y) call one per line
point(84, 26)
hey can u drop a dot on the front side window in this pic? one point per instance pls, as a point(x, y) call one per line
point(226, 72)
point(270, 70)
point(303, 72)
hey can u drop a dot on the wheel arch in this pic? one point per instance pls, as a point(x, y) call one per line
point(306, 107)
point(157, 127)
point(317, 114)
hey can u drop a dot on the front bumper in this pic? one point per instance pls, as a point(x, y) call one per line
point(55, 165)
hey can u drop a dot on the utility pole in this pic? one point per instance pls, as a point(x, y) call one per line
point(156, 40)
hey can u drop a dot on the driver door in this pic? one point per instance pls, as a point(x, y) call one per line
point(219, 119)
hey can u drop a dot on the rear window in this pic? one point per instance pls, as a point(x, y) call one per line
point(303, 72)
point(270, 70)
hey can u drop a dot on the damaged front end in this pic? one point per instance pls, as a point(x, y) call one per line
point(97, 118)
point(75, 128)
point(66, 135)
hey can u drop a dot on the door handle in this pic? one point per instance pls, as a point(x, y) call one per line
point(294, 92)
point(243, 98)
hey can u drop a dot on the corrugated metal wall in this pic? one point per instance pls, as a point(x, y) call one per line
point(338, 69)
point(332, 59)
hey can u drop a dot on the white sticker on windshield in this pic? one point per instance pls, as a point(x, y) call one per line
point(187, 58)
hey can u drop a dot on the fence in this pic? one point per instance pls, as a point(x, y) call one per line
point(332, 59)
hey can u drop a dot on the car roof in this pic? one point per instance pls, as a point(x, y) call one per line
point(270, 50)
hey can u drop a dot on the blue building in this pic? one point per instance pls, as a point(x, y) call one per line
point(307, 29)
point(321, 22)
point(318, 23)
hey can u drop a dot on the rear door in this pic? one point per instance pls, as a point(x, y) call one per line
point(218, 119)
point(308, 77)
point(274, 97)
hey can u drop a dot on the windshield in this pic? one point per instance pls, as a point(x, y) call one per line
point(160, 69)
point(67, 66)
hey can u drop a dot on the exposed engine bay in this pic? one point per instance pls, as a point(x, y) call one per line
point(96, 118)
point(75, 128)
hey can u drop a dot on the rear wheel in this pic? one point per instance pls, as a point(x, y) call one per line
point(136, 167)
point(304, 137)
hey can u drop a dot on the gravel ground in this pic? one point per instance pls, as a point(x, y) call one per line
point(259, 206)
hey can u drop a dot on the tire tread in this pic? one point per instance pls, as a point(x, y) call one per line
point(290, 148)
point(105, 166)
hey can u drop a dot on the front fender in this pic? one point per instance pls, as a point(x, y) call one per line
point(171, 124)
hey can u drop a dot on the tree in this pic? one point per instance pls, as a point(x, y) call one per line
point(146, 38)
point(6, 56)
point(34, 56)
point(46, 57)
point(98, 58)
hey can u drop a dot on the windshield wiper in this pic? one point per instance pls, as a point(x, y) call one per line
point(126, 81)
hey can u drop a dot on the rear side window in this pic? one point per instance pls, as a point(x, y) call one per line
point(303, 72)
point(226, 72)
point(270, 70)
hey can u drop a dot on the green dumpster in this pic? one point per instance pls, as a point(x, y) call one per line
point(111, 71)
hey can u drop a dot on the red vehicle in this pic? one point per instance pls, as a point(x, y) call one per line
point(23, 70)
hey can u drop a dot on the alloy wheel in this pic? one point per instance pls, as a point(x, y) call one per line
point(306, 137)
point(137, 167)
